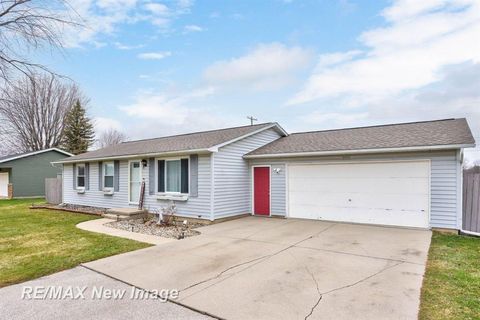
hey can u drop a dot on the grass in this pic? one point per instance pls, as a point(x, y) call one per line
point(451, 287)
point(34, 243)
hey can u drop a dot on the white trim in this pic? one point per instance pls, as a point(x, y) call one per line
point(429, 161)
point(136, 156)
point(166, 193)
point(342, 152)
point(7, 174)
point(108, 190)
point(129, 182)
point(212, 187)
point(218, 146)
point(77, 167)
point(35, 153)
point(287, 187)
point(459, 164)
point(269, 186)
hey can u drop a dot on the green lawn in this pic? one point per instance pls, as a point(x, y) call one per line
point(34, 243)
point(451, 288)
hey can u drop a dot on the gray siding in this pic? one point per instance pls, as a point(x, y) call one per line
point(232, 174)
point(198, 207)
point(444, 209)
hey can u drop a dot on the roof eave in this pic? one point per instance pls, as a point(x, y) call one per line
point(359, 151)
point(273, 125)
point(134, 156)
point(35, 153)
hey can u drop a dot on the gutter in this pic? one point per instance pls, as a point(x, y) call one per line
point(358, 151)
point(133, 156)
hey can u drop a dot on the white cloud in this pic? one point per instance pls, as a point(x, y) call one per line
point(192, 28)
point(267, 66)
point(165, 113)
point(154, 55)
point(102, 17)
point(420, 39)
point(122, 46)
point(103, 124)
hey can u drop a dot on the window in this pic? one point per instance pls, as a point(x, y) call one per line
point(173, 176)
point(108, 174)
point(81, 176)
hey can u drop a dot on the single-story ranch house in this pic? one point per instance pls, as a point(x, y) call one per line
point(23, 175)
point(402, 174)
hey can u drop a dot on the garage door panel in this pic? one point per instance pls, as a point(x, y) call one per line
point(367, 170)
point(355, 215)
point(367, 185)
point(390, 193)
point(366, 201)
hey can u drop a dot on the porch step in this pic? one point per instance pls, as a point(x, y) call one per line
point(124, 214)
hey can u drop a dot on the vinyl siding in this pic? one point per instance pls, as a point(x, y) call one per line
point(232, 174)
point(28, 174)
point(198, 207)
point(444, 186)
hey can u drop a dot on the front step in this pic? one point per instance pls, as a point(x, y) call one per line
point(124, 214)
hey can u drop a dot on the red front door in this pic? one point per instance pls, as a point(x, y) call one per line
point(261, 191)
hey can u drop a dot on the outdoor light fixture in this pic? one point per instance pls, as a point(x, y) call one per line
point(144, 163)
point(277, 170)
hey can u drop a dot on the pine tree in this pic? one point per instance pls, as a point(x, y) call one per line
point(78, 132)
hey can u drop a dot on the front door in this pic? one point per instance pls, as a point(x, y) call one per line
point(261, 191)
point(3, 184)
point(135, 178)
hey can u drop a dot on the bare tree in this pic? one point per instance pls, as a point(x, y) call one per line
point(110, 137)
point(33, 112)
point(27, 25)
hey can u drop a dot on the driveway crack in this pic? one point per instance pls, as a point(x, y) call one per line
point(256, 260)
point(319, 294)
point(345, 286)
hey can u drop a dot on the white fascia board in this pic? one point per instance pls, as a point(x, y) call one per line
point(273, 125)
point(358, 151)
point(35, 153)
point(135, 156)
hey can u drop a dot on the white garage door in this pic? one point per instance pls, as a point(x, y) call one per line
point(387, 193)
point(3, 184)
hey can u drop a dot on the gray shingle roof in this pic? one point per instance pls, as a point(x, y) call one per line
point(184, 142)
point(416, 134)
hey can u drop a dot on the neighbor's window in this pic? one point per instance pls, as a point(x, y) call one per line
point(108, 173)
point(80, 176)
point(173, 176)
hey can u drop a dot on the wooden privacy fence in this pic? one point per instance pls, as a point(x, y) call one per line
point(471, 201)
point(53, 190)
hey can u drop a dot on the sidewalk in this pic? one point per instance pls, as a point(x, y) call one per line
point(98, 226)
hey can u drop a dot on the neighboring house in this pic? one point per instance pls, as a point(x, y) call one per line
point(26, 172)
point(402, 174)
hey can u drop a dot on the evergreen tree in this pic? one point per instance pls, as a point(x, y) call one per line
point(78, 133)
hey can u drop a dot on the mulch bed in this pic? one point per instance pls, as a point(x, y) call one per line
point(72, 208)
point(152, 228)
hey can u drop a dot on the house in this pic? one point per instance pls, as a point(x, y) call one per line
point(402, 174)
point(23, 175)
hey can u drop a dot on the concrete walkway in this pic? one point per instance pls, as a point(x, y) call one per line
point(88, 305)
point(262, 268)
point(98, 226)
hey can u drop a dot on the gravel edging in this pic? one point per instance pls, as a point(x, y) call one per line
point(150, 227)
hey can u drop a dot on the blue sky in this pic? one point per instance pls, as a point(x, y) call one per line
point(153, 68)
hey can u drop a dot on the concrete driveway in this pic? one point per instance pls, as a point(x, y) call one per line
point(267, 268)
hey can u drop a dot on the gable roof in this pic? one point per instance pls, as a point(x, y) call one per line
point(198, 142)
point(438, 134)
point(32, 153)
